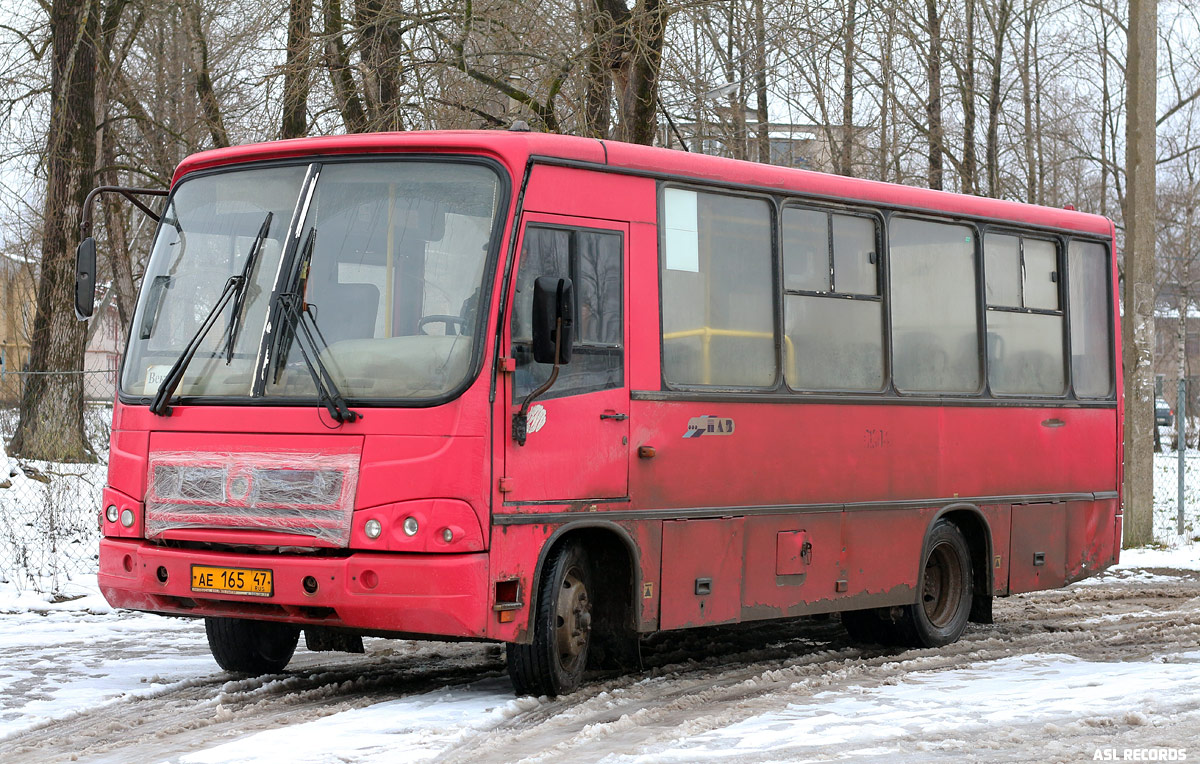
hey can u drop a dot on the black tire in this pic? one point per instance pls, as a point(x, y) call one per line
point(251, 647)
point(553, 663)
point(944, 591)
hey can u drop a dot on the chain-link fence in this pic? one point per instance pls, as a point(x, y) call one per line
point(1177, 480)
point(49, 526)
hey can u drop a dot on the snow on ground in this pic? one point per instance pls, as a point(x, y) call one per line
point(60, 658)
point(1062, 673)
point(410, 730)
point(1114, 660)
point(958, 705)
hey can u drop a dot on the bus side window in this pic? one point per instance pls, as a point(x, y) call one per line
point(1087, 272)
point(592, 260)
point(833, 312)
point(935, 339)
point(717, 290)
point(1024, 322)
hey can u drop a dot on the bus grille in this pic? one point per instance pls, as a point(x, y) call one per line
point(294, 493)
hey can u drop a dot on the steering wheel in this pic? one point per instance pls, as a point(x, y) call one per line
point(454, 324)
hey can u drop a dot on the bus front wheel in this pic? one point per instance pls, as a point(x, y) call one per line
point(553, 663)
point(251, 647)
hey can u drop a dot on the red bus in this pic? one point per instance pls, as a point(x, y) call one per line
point(556, 392)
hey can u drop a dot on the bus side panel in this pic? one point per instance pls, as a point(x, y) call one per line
point(1093, 536)
point(702, 572)
point(1039, 547)
point(999, 520)
point(792, 561)
point(512, 557)
point(516, 550)
point(785, 454)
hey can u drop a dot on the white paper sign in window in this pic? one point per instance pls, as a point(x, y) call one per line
point(681, 223)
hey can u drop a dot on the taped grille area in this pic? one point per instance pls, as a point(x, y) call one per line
point(297, 493)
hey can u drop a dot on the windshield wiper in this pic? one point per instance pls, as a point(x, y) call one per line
point(175, 374)
point(281, 343)
point(242, 287)
point(328, 394)
point(234, 287)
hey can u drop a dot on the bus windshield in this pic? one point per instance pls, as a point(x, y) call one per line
point(381, 261)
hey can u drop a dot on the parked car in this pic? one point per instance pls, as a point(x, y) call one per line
point(1164, 415)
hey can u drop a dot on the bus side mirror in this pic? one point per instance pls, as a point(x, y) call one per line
point(553, 317)
point(85, 279)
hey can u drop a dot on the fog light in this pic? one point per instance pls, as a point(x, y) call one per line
point(373, 528)
point(161, 574)
point(410, 526)
point(447, 535)
point(310, 584)
point(127, 518)
point(110, 514)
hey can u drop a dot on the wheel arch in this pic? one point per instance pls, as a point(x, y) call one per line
point(607, 538)
point(974, 525)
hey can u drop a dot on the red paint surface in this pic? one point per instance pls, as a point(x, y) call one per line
point(445, 462)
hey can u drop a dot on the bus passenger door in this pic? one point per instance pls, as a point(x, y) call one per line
point(577, 441)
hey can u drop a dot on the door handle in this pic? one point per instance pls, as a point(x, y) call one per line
point(614, 416)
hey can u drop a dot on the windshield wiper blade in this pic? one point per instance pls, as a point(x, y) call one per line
point(175, 374)
point(281, 342)
point(328, 394)
point(242, 287)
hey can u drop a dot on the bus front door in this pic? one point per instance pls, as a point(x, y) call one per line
point(576, 442)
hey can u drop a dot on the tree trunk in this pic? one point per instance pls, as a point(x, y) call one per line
point(1027, 53)
point(210, 108)
point(296, 70)
point(1000, 21)
point(337, 61)
point(933, 106)
point(886, 92)
point(1138, 324)
point(639, 101)
point(51, 425)
point(846, 147)
point(597, 112)
point(382, 46)
point(760, 83)
point(970, 173)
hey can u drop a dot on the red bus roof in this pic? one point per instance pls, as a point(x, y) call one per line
point(514, 149)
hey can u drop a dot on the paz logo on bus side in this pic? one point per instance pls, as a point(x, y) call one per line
point(708, 425)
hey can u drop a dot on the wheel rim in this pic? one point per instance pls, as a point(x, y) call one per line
point(573, 620)
point(943, 588)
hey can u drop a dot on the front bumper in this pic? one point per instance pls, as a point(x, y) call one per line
point(433, 594)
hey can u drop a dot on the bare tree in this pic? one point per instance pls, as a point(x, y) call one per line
point(51, 417)
point(1138, 326)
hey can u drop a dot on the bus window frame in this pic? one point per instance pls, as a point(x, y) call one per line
point(1060, 246)
point(781, 393)
point(1110, 318)
point(495, 255)
point(882, 264)
point(775, 208)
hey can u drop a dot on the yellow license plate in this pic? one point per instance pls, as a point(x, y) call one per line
point(255, 582)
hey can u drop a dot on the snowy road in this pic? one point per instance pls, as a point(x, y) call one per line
point(1112, 663)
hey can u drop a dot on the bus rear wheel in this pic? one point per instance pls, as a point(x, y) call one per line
point(251, 647)
point(553, 663)
point(943, 607)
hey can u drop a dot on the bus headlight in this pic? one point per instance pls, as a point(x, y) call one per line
point(127, 518)
point(110, 513)
point(374, 529)
point(410, 526)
